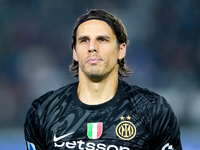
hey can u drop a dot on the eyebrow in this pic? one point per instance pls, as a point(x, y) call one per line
point(100, 36)
point(83, 37)
point(104, 36)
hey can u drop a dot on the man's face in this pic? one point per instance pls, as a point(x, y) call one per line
point(97, 50)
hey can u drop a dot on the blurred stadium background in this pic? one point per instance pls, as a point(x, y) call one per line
point(164, 53)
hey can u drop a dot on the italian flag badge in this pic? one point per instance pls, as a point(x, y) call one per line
point(94, 130)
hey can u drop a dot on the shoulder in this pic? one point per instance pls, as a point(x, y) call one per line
point(145, 100)
point(47, 104)
point(139, 94)
point(51, 96)
point(42, 108)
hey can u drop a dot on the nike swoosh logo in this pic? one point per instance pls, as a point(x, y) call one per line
point(55, 139)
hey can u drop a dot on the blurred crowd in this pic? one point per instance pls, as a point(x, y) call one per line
point(164, 50)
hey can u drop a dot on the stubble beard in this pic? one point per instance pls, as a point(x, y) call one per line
point(96, 74)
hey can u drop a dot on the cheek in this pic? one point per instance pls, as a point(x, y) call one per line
point(114, 55)
point(112, 59)
point(80, 55)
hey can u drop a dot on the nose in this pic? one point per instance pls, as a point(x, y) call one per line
point(92, 50)
point(92, 47)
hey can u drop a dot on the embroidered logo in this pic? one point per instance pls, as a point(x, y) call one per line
point(125, 130)
point(60, 144)
point(94, 130)
point(55, 139)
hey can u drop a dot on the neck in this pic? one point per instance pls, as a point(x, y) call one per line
point(94, 93)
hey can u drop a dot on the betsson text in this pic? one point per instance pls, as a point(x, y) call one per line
point(89, 146)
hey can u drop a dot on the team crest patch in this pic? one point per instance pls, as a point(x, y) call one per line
point(31, 146)
point(94, 130)
point(126, 130)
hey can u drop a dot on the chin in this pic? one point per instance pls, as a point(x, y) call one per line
point(96, 77)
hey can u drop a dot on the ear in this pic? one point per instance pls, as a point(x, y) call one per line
point(122, 51)
point(75, 57)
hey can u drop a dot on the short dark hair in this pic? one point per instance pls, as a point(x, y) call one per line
point(115, 24)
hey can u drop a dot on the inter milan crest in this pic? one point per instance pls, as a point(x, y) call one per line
point(94, 130)
point(126, 130)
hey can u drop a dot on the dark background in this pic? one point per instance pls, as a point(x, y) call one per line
point(164, 52)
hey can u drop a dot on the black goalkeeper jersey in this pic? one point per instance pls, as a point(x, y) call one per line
point(134, 119)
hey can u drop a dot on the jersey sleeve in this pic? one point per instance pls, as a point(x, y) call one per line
point(165, 129)
point(32, 130)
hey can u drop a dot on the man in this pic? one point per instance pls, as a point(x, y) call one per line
point(100, 111)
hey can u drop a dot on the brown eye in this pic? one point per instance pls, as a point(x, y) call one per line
point(103, 40)
point(84, 40)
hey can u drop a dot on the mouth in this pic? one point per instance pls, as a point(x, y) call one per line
point(93, 60)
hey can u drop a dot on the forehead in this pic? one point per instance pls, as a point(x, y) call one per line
point(95, 27)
